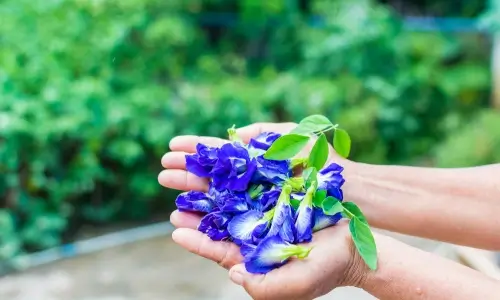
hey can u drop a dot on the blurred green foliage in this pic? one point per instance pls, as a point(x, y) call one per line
point(92, 91)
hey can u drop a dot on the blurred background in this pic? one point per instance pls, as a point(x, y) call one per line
point(92, 91)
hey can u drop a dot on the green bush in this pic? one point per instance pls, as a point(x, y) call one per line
point(475, 143)
point(92, 91)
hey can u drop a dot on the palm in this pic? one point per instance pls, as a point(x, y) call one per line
point(227, 254)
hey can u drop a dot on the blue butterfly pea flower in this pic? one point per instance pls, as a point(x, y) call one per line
point(250, 226)
point(282, 223)
point(234, 168)
point(234, 202)
point(268, 199)
point(330, 178)
point(304, 217)
point(215, 225)
point(272, 252)
point(264, 140)
point(336, 193)
point(322, 221)
point(271, 171)
point(202, 162)
point(194, 201)
point(247, 249)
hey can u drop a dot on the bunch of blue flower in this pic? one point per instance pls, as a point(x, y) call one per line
point(267, 201)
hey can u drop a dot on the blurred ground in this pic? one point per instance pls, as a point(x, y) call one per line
point(155, 269)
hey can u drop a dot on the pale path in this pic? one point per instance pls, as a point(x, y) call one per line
point(156, 269)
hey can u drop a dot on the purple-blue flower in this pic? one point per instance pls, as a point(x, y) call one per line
point(234, 168)
point(247, 249)
point(336, 193)
point(321, 220)
point(268, 199)
point(215, 225)
point(234, 202)
point(202, 162)
point(250, 226)
point(304, 218)
point(271, 171)
point(194, 201)
point(264, 140)
point(271, 253)
point(330, 178)
point(282, 223)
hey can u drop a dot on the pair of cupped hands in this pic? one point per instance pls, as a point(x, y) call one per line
point(333, 261)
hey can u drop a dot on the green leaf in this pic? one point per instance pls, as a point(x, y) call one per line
point(319, 197)
point(342, 142)
point(312, 124)
point(354, 211)
point(319, 153)
point(286, 146)
point(332, 206)
point(310, 175)
point(364, 242)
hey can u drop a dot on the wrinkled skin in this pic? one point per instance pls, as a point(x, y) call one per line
point(333, 262)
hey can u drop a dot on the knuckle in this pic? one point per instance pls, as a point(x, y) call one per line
point(200, 250)
point(226, 261)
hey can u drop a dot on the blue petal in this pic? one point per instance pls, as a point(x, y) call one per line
point(269, 199)
point(260, 232)
point(267, 256)
point(234, 204)
point(234, 168)
point(242, 226)
point(207, 155)
point(336, 192)
point(322, 221)
point(264, 140)
point(287, 230)
point(215, 225)
point(331, 177)
point(304, 224)
point(247, 249)
point(282, 213)
point(241, 181)
point(271, 171)
point(331, 169)
point(194, 201)
point(193, 166)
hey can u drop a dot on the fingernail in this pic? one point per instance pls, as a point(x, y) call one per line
point(236, 277)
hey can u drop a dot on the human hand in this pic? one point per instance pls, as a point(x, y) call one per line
point(328, 265)
point(176, 177)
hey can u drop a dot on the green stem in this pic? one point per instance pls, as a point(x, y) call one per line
point(334, 127)
point(300, 252)
point(232, 135)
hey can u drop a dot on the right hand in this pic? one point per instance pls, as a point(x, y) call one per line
point(330, 264)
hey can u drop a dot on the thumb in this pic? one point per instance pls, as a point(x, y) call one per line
point(254, 284)
point(273, 285)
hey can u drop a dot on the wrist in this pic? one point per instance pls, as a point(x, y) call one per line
point(357, 272)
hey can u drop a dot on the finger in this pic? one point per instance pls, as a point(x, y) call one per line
point(185, 219)
point(187, 143)
point(226, 254)
point(182, 180)
point(174, 160)
point(253, 130)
